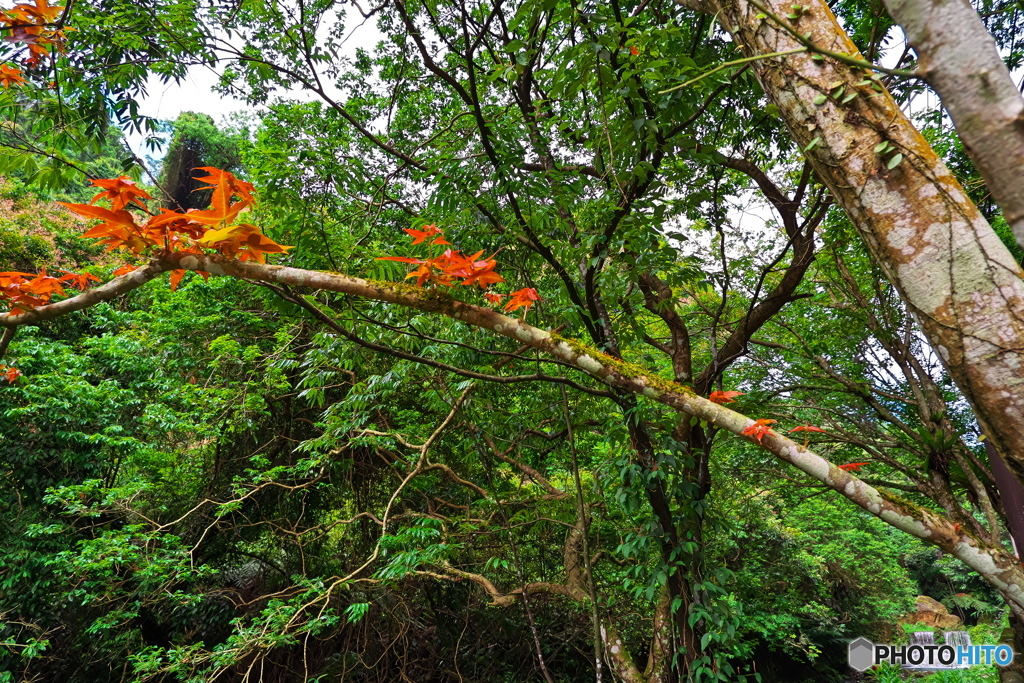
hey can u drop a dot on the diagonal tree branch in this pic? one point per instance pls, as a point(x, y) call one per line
point(992, 562)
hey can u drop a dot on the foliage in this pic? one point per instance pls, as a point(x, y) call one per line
point(220, 478)
point(195, 142)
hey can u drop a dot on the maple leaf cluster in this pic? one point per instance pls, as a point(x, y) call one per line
point(140, 231)
point(10, 374)
point(27, 23)
point(453, 267)
point(193, 231)
point(759, 428)
point(24, 291)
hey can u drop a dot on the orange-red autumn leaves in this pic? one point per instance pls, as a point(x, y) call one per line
point(24, 291)
point(128, 224)
point(452, 267)
point(29, 24)
point(216, 228)
point(762, 427)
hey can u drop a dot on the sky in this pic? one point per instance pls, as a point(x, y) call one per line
point(196, 93)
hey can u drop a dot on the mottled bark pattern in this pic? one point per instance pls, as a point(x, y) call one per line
point(958, 278)
point(960, 60)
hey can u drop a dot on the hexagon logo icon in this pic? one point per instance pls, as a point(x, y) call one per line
point(862, 653)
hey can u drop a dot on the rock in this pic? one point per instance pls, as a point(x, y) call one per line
point(931, 612)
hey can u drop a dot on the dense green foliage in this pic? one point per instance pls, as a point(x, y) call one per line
point(239, 482)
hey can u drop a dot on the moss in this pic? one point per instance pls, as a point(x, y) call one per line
point(428, 298)
point(921, 513)
point(913, 509)
point(625, 368)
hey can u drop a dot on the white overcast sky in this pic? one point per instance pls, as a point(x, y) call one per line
point(196, 94)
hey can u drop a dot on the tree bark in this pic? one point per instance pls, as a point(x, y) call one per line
point(933, 244)
point(960, 60)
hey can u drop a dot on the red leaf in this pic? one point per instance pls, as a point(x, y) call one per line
point(124, 270)
point(724, 396)
point(427, 231)
point(78, 280)
point(10, 76)
point(853, 466)
point(116, 217)
point(757, 430)
point(493, 297)
point(10, 374)
point(807, 428)
point(224, 185)
point(176, 276)
point(523, 298)
point(41, 13)
point(121, 192)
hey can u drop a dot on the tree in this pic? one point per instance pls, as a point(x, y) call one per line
point(195, 142)
point(552, 135)
point(943, 257)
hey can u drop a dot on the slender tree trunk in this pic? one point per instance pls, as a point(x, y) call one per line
point(1014, 673)
point(958, 279)
point(960, 60)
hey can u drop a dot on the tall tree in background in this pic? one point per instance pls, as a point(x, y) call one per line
point(195, 142)
point(558, 133)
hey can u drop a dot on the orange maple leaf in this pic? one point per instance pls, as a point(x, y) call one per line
point(256, 245)
point(523, 298)
point(853, 466)
point(757, 430)
point(493, 297)
point(118, 229)
point(244, 241)
point(10, 374)
point(225, 185)
point(78, 280)
point(175, 230)
point(480, 272)
point(427, 231)
point(24, 291)
point(44, 286)
point(13, 277)
point(121, 192)
point(125, 269)
point(724, 396)
point(807, 428)
point(176, 276)
point(41, 12)
point(10, 75)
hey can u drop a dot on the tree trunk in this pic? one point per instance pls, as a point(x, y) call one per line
point(959, 58)
point(934, 245)
point(1014, 672)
